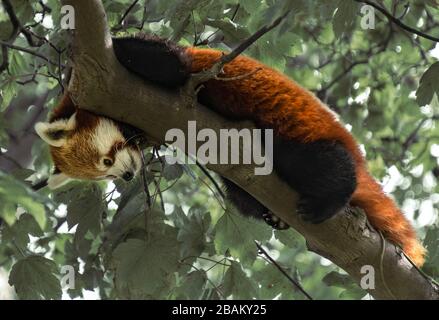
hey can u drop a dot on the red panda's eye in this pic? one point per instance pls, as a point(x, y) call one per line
point(108, 162)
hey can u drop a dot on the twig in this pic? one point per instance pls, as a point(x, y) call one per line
point(10, 159)
point(397, 21)
point(127, 11)
point(209, 176)
point(342, 74)
point(294, 282)
point(206, 173)
point(59, 52)
point(39, 185)
point(145, 190)
point(412, 138)
point(5, 61)
point(406, 9)
point(379, 48)
point(193, 85)
point(383, 251)
point(240, 77)
point(36, 54)
point(18, 27)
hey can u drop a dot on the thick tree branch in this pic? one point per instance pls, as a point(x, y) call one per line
point(101, 85)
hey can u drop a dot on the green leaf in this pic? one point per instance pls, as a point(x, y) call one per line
point(7, 92)
point(7, 210)
point(24, 11)
point(237, 283)
point(20, 231)
point(431, 243)
point(172, 171)
point(128, 193)
point(353, 291)
point(5, 30)
point(17, 63)
point(16, 192)
point(344, 18)
point(192, 231)
point(287, 237)
point(34, 277)
point(429, 85)
point(335, 279)
point(85, 209)
point(143, 267)
point(236, 233)
point(272, 283)
point(232, 31)
point(22, 174)
point(250, 6)
point(193, 285)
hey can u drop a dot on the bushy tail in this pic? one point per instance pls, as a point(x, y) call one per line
point(385, 216)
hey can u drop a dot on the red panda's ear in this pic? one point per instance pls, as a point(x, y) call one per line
point(56, 132)
point(56, 180)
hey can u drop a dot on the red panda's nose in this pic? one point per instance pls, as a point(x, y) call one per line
point(128, 176)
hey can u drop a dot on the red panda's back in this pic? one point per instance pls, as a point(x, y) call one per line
point(255, 91)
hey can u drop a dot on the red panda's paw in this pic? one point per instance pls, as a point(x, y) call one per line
point(274, 221)
point(316, 210)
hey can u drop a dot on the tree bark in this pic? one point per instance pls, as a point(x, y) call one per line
point(100, 84)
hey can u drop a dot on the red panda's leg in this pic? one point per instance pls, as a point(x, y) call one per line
point(322, 172)
point(249, 206)
point(156, 60)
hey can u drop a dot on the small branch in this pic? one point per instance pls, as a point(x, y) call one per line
point(406, 9)
point(5, 61)
point(127, 12)
point(413, 137)
point(214, 182)
point(39, 185)
point(342, 74)
point(18, 27)
point(397, 21)
point(145, 189)
point(379, 48)
point(293, 281)
point(240, 77)
point(36, 54)
point(198, 78)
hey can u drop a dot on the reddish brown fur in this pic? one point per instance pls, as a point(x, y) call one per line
point(273, 100)
point(77, 158)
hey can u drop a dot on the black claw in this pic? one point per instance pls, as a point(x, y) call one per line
point(274, 221)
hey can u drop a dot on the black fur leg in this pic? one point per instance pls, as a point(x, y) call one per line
point(322, 172)
point(159, 61)
point(250, 207)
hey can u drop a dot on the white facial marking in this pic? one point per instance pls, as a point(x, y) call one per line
point(104, 137)
point(125, 160)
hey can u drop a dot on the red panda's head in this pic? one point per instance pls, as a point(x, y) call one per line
point(86, 146)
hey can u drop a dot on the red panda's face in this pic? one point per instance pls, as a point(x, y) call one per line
point(89, 147)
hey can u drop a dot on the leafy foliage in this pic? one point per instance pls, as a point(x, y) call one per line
point(190, 244)
point(34, 278)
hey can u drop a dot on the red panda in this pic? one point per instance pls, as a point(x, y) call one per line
point(86, 146)
point(313, 152)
